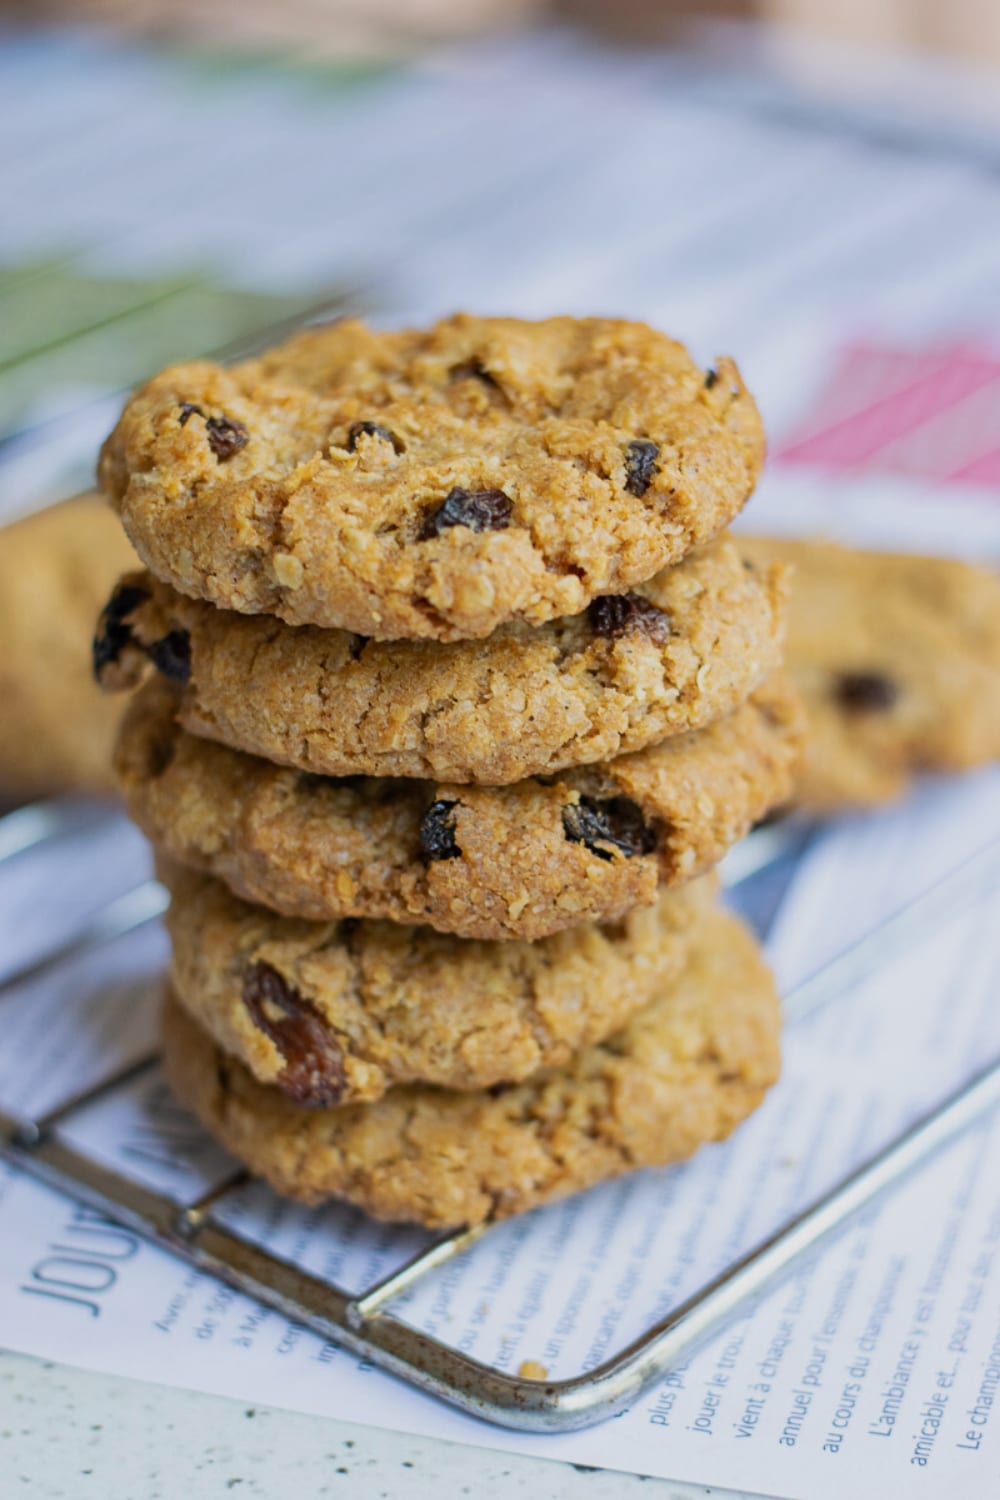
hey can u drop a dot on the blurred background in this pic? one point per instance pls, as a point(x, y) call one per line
point(813, 188)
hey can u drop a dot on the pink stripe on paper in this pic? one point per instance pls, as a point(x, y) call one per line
point(984, 470)
point(856, 441)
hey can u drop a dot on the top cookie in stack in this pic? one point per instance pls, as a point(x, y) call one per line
point(444, 629)
point(433, 485)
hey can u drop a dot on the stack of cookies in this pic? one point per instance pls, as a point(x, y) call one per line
point(453, 689)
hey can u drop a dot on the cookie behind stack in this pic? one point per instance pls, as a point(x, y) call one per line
point(452, 689)
point(56, 731)
point(897, 660)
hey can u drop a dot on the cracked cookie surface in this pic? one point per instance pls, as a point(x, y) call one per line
point(433, 484)
point(686, 1069)
point(521, 861)
point(329, 1012)
point(684, 649)
point(897, 659)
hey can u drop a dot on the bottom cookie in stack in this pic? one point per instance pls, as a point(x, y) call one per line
point(684, 1069)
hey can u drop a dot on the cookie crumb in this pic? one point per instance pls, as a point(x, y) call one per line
point(530, 1369)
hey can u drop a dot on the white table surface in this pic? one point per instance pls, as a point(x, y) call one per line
point(66, 1434)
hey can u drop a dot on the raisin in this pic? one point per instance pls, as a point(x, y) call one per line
point(711, 378)
point(479, 510)
point(313, 1071)
point(437, 833)
point(474, 369)
point(371, 429)
point(171, 655)
point(189, 410)
point(611, 615)
point(226, 437)
point(113, 634)
point(866, 692)
point(108, 645)
point(125, 598)
point(618, 822)
point(640, 465)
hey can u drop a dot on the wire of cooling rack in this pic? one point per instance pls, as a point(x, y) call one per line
point(362, 1323)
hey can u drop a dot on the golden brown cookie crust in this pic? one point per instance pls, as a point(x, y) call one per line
point(56, 730)
point(682, 650)
point(522, 861)
point(433, 484)
point(331, 1012)
point(685, 1070)
point(897, 659)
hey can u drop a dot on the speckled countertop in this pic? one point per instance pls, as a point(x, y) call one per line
point(67, 1434)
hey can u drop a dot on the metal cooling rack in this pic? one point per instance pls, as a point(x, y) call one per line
point(362, 1323)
